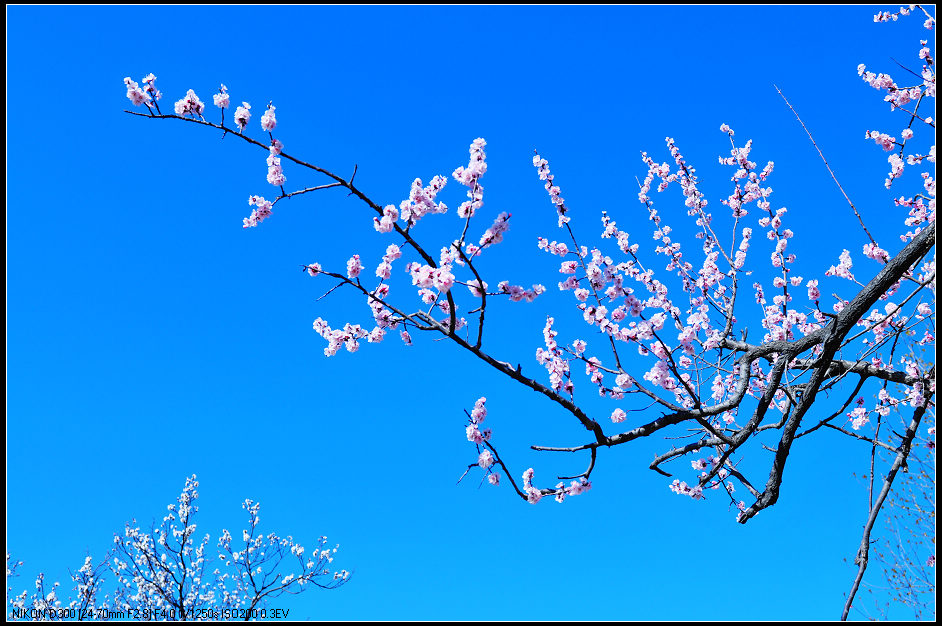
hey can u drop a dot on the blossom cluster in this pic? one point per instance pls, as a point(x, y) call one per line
point(276, 175)
point(242, 115)
point(534, 495)
point(146, 96)
point(421, 202)
point(221, 99)
point(486, 459)
point(347, 337)
point(261, 212)
point(189, 105)
point(592, 274)
point(470, 177)
point(542, 166)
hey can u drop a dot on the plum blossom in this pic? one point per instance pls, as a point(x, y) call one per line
point(542, 166)
point(518, 293)
point(479, 412)
point(390, 215)
point(495, 234)
point(261, 212)
point(242, 115)
point(136, 95)
point(275, 174)
point(843, 268)
point(421, 201)
point(221, 99)
point(813, 292)
point(189, 105)
point(268, 119)
point(354, 267)
point(876, 253)
point(477, 287)
point(470, 177)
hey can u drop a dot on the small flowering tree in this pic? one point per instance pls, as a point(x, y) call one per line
point(166, 572)
point(906, 548)
point(668, 338)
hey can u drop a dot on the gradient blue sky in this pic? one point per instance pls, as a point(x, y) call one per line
point(150, 337)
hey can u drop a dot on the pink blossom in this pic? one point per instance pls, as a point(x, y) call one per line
point(136, 95)
point(842, 269)
point(882, 139)
point(479, 412)
point(275, 174)
point(618, 416)
point(577, 487)
point(528, 477)
point(392, 253)
point(390, 215)
point(559, 249)
point(495, 234)
point(443, 279)
point(189, 105)
point(470, 177)
point(354, 267)
point(624, 381)
point(221, 99)
point(859, 415)
point(377, 335)
point(544, 172)
point(813, 292)
point(518, 293)
point(268, 119)
point(242, 115)
point(260, 213)
point(422, 201)
point(478, 288)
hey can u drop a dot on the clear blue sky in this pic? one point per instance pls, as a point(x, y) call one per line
point(150, 337)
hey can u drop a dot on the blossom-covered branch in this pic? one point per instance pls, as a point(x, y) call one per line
point(687, 322)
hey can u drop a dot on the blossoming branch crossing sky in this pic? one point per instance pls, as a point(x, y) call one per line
point(152, 337)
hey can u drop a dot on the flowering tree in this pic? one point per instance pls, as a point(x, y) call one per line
point(695, 369)
point(906, 549)
point(166, 573)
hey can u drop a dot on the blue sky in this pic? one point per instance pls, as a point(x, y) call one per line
point(150, 337)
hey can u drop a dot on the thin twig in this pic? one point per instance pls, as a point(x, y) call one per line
point(860, 219)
